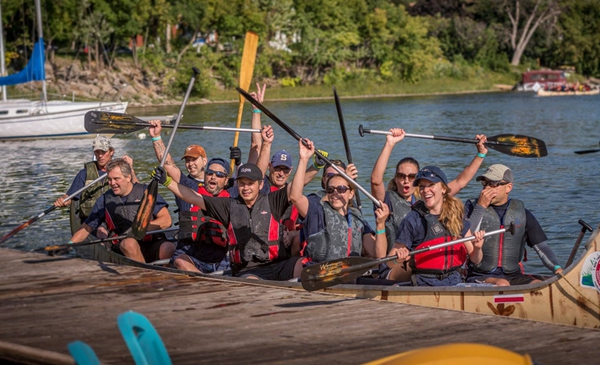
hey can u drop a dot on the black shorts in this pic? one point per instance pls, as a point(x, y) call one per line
point(278, 270)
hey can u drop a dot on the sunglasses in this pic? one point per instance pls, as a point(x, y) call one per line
point(329, 175)
point(283, 169)
point(427, 174)
point(402, 176)
point(340, 189)
point(492, 184)
point(220, 174)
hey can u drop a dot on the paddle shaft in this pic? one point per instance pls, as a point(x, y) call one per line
point(102, 240)
point(198, 127)
point(338, 107)
point(297, 137)
point(584, 227)
point(368, 265)
point(439, 138)
point(48, 210)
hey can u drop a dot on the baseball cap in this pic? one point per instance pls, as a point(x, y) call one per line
point(219, 161)
point(281, 158)
point(102, 143)
point(497, 172)
point(249, 171)
point(431, 173)
point(194, 151)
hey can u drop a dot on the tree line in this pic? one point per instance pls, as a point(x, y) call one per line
point(313, 41)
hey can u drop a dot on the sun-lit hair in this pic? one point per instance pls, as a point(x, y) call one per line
point(453, 212)
point(120, 163)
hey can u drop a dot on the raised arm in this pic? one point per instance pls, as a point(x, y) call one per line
point(376, 245)
point(180, 191)
point(255, 139)
point(129, 160)
point(469, 172)
point(267, 136)
point(377, 184)
point(159, 149)
point(296, 187)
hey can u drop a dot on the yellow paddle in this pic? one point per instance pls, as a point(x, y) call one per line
point(246, 70)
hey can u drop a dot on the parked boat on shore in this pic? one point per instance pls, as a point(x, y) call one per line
point(571, 298)
point(542, 92)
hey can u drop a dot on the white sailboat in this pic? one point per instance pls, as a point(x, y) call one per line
point(25, 119)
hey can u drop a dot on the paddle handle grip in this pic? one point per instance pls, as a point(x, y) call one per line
point(584, 227)
point(298, 138)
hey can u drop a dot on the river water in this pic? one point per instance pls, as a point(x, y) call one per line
point(559, 189)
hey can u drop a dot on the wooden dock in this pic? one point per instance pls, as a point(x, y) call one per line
point(47, 302)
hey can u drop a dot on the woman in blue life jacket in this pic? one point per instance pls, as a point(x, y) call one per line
point(437, 218)
point(332, 227)
point(401, 193)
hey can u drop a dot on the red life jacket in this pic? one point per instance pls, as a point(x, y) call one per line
point(290, 217)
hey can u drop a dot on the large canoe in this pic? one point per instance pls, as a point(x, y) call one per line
point(542, 92)
point(572, 298)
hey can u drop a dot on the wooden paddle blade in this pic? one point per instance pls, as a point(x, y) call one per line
point(324, 275)
point(518, 145)
point(107, 122)
point(144, 213)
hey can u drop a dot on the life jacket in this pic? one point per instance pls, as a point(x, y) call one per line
point(400, 207)
point(119, 215)
point(341, 236)
point(442, 260)
point(207, 235)
point(90, 195)
point(255, 236)
point(503, 250)
point(290, 217)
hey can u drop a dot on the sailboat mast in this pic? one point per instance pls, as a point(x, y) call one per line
point(38, 12)
point(2, 65)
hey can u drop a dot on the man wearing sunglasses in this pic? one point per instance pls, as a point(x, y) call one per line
point(502, 254)
point(202, 240)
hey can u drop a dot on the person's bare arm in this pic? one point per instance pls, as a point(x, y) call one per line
point(162, 221)
point(256, 139)
point(469, 172)
point(267, 136)
point(81, 234)
point(296, 187)
point(377, 184)
point(159, 149)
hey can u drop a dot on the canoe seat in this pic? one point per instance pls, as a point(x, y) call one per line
point(83, 353)
point(144, 343)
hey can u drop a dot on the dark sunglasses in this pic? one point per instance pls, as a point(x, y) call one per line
point(427, 174)
point(402, 176)
point(493, 184)
point(329, 175)
point(340, 189)
point(220, 174)
point(282, 169)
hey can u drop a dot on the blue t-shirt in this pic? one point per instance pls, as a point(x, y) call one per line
point(97, 216)
point(79, 182)
point(412, 231)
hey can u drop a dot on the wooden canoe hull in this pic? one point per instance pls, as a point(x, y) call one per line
point(542, 92)
point(571, 299)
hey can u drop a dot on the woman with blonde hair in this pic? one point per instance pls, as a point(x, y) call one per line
point(437, 218)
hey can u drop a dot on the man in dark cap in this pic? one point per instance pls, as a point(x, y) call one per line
point(502, 254)
point(252, 219)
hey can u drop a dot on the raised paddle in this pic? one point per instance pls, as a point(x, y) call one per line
point(330, 273)
point(106, 122)
point(297, 136)
point(246, 71)
point(584, 227)
point(144, 214)
point(338, 107)
point(102, 240)
point(511, 144)
point(48, 210)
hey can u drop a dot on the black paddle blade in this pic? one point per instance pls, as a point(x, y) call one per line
point(518, 145)
point(324, 275)
point(107, 122)
point(144, 213)
point(583, 152)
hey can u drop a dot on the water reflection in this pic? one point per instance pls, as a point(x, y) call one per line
point(559, 189)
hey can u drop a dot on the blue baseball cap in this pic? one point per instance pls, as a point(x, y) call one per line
point(221, 162)
point(431, 173)
point(282, 158)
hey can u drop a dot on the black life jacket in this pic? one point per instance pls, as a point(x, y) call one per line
point(255, 236)
point(400, 207)
point(503, 250)
point(119, 215)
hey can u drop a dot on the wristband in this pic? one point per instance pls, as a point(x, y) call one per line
point(154, 139)
point(482, 155)
point(71, 242)
point(167, 182)
point(256, 111)
point(557, 267)
point(380, 231)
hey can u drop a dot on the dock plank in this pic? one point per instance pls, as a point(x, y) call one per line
point(47, 302)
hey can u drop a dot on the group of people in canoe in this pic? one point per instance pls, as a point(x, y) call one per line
point(261, 224)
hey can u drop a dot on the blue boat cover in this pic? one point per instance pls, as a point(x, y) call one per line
point(34, 71)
